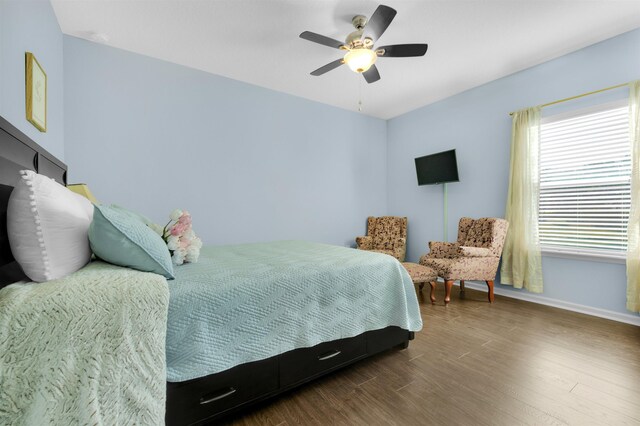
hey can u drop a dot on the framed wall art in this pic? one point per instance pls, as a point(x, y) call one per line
point(36, 92)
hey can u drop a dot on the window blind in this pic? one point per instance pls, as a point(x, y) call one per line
point(585, 186)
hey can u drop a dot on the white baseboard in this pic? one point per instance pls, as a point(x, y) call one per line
point(583, 309)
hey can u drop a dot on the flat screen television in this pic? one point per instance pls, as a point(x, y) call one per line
point(437, 168)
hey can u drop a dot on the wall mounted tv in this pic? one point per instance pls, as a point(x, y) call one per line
point(437, 168)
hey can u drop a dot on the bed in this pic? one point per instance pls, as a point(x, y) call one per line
point(276, 343)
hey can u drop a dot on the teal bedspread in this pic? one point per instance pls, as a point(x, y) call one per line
point(249, 302)
point(86, 349)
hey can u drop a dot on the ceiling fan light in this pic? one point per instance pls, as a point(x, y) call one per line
point(360, 60)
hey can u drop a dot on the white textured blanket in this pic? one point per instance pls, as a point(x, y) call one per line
point(88, 349)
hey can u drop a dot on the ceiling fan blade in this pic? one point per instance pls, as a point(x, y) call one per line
point(380, 20)
point(330, 66)
point(403, 50)
point(320, 39)
point(371, 75)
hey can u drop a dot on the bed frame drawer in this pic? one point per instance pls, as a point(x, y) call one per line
point(303, 364)
point(196, 400)
point(232, 390)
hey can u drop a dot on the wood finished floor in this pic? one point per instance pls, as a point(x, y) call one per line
point(473, 363)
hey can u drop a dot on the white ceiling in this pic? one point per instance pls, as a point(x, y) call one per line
point(256, 41)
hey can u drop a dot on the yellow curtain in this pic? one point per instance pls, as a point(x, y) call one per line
point(633, 228)
point(521, 259)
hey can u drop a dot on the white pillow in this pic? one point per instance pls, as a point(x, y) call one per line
point(48, 227)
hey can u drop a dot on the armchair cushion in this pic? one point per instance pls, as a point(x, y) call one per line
point(364, 243)
point(383, 242)
point(398, 250)
point(441, 250)
point(488, 232)
point(475, 252)
point(480, 234)
point(399, 242)
point(387, 232)
point(463, 229)
point(467, 268)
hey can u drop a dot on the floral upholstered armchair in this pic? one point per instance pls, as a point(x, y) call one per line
point(475, 256)
point(386, 234)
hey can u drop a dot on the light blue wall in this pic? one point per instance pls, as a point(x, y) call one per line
point(31, 26)
point(255, 165)
point(477, 124)
point(249, 163)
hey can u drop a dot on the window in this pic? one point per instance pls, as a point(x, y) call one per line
point(585, 182)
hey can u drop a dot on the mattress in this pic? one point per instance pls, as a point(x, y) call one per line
point(244, 303)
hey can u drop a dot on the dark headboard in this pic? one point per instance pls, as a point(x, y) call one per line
point(18, 152)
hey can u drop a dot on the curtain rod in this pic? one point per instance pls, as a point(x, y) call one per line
point(578, 96)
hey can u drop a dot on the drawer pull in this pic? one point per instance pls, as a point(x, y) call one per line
point(329, 355)
point(217, 396)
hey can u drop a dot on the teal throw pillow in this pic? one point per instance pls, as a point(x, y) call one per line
point(121, 237)
point(144, 219)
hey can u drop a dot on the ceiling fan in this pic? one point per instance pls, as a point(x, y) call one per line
point(361, 56)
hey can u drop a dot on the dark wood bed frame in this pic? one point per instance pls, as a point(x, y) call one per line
point(207, 399)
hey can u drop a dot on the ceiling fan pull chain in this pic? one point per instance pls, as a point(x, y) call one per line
point(359, 95)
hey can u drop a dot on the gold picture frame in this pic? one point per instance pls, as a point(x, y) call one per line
point(36, 92)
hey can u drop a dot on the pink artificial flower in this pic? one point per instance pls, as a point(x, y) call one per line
point(178, 229)
point(180, 238)
point(185, 219)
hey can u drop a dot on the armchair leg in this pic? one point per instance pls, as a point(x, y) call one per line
point(448, 284)
point(432, 295)
point(462, 294)
point(490, 286)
